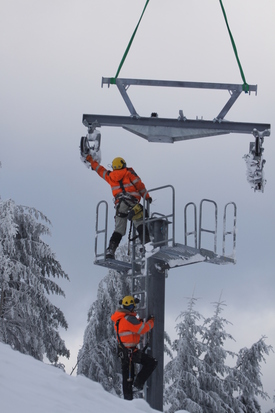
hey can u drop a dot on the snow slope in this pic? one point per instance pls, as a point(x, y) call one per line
point(30, 386)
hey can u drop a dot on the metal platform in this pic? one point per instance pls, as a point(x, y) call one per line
point(119, 266)
point(167, 253)
point(180, 255)
point(171, 257)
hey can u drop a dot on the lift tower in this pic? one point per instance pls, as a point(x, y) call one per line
point(149, 269)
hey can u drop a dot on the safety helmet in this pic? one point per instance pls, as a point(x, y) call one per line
point(129, 302)
point(118, 163)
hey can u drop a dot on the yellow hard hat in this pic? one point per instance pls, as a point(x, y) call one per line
point(129, 300)
point(118, 163)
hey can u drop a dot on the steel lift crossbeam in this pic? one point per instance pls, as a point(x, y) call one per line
point(169, 130)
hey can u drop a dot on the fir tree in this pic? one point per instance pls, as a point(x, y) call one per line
point(273, 409)
point(183, 390)
point(198, 379)
point(248, 373)
point(217, 379)
point(28, 320)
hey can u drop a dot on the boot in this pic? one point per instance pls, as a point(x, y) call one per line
point(140, 234)
point(148, 366)
point(113, 244)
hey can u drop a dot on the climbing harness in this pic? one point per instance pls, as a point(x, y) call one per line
point(125, 353)
point(129, 200)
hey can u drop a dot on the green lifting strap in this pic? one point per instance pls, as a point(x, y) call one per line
point(245, 85)
point(113, 79)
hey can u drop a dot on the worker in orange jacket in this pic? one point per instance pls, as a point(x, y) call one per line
point(127, 189)
point(129, 328)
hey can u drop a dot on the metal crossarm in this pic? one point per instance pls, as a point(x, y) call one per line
point(170, 130)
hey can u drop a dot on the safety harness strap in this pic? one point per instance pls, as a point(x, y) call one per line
point(123, 197)
point(124, 348)
point(245, 84)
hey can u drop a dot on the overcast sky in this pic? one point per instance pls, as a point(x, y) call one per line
point(53, 55)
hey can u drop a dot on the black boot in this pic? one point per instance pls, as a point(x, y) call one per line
point(148, 366)
point(113, 244)
point(140, 234)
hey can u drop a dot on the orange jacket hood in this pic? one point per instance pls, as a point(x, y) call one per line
point(120, 313)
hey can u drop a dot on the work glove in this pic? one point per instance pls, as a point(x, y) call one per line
point(83, 159)
point(150, 200)
point(89, 158)
point(151, 317)
point(94, 156)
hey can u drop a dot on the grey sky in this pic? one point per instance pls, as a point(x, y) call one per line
point(53, 55)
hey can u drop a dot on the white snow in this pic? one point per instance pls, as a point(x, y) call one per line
point(150, 250)
point(94, 143)
point(30, 386)
point(184, 261)
point(255, 173)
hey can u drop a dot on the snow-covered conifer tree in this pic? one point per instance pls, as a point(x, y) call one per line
point(97, 358)
point(248, 374)
point(273, 409)
point(198, 378)
point(182, 391)
point(29, 322)
point(212, 380)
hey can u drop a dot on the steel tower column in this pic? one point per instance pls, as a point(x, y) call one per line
point(156, 306)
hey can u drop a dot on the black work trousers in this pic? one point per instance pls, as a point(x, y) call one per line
point(128, 371)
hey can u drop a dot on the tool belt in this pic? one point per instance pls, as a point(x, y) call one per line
point(135, 213)
point(134, 208)
point(125, 353)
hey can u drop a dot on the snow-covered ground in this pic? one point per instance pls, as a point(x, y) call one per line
point(30, 386)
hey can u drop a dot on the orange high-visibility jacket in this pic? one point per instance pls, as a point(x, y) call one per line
point(132, 183)
point(130, 328)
